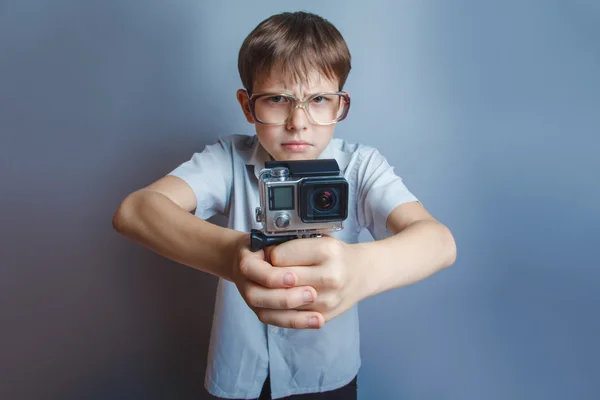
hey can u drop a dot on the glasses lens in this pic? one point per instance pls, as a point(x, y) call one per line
point(275, 109)
point(326, 108)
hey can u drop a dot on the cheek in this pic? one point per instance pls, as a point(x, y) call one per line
point(266, 133)
point(324, 134)
point(268, 136)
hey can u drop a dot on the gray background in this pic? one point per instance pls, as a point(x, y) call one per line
point(489, 110)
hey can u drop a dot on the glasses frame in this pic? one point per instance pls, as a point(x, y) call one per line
point(299, 104)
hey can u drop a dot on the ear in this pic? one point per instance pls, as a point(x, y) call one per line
point(242, 97)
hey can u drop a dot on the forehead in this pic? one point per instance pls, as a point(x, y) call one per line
point(283, 80)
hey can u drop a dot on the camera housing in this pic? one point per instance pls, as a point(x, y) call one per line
point(299, 199)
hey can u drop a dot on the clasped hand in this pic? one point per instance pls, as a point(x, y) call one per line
point(299, 284)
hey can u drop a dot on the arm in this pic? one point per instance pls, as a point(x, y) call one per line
point(420, 246)
point(344, 274)
point(158, 217)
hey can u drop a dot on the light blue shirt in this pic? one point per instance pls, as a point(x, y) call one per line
point(243, 350)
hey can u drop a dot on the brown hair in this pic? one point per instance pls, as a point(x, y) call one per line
point(296, 43)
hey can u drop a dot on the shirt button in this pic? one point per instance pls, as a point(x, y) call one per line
point(274, 329)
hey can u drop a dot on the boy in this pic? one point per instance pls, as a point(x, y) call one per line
point(286, 321)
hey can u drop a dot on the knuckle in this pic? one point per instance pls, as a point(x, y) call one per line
point(256, 301)
point(326, 280)
point(323, 251)
point(262, 316)
point(284, 302)
point(335, 248)
point(332, 279)
point(336, 281)
point(272, 280)
point(247, 294)
point(244, 265)
point(329, 303)
point(294, 323)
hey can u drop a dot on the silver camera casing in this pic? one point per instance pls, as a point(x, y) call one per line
point(289, 222)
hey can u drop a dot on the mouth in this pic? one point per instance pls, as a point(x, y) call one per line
point(296, 145)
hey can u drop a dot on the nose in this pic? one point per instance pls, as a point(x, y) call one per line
point(297, 120)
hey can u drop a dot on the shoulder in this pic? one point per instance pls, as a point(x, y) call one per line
point(355, 156)
point(218, 155)
point(231, 143)
point(240, 146)
point(237, 141)
point(356, 148)
point(228, 148)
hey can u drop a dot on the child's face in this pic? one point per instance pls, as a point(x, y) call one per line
point(298, 138)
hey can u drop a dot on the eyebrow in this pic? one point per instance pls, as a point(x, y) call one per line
point(292, 94)
point(282, 87)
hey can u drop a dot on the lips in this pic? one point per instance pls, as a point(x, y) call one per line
point(296, 142)
point(296, 146)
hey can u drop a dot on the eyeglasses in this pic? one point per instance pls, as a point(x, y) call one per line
point(324, 108)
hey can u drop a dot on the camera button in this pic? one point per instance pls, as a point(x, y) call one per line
point(280, 172)
point(258, 214)
point(282, 220)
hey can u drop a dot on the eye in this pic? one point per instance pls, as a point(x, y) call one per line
point(320, 99)
point(277, 99)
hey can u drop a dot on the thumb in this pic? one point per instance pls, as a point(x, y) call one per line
point(267, 253)
point(247, 253)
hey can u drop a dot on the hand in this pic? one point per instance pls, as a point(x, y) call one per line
point(328, 265)
point(273, 293)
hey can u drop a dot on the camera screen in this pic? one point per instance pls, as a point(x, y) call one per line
point(282, 198)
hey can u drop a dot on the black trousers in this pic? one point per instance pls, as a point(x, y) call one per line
point(348, 392)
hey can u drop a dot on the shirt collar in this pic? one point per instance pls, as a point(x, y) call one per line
point(256, 155)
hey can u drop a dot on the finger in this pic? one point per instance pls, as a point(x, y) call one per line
point(258, 296)
point(298, 252)
point(314, 276)
point(263, 273)
point(291, 319)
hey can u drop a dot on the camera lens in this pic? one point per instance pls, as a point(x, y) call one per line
point(324, 199)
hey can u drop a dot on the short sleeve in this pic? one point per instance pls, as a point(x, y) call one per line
point(210, 175)
point(380, 190)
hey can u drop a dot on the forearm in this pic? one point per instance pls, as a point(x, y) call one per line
point(154, 221)
point(420, 250)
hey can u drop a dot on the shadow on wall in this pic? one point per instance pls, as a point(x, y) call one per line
point(100, 100)
point(162, 321)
